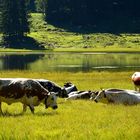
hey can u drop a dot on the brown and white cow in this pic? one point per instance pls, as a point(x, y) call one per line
point(118, 96)
point(27, 91)
point(136, 80)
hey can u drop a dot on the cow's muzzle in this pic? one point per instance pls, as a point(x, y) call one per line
point(55, 107)
point(96, 101)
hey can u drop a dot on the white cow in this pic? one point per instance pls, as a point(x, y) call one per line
point(118, 96)
point(79, 95)
point(27, 91)
point(136, 80)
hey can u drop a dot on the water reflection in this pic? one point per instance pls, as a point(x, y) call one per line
point(18, 61)
point(72, 62)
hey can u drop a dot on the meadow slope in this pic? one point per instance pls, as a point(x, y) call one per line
point(60, 38)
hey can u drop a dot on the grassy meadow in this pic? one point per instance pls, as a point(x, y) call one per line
point(74, 120)
point(68, 38)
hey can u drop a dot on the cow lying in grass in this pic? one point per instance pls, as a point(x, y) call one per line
point(136, 80)
point(27, 91)
point(80, 95)
point(53, 87)
point(74, 94)
point(118, 96)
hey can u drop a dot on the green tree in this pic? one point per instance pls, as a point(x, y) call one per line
point(31, 7)
point(14, 21)
point(0, 14)
point(23, 18)
point(10, 23)
point(58, 11)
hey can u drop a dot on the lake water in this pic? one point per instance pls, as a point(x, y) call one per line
point(71, 62)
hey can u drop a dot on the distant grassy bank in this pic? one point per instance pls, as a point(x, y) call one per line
point(107, 50)
point(61, 38)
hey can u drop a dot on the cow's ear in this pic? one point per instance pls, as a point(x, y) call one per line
point(102, 89)
point(96, 92)
point(49, 93)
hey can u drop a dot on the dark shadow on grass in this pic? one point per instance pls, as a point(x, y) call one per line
point(7, 114)
point(22, 43)
point(46, 113)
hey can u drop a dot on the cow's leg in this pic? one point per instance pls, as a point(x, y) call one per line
point(29, 103)
point(24, 108)
point(135, 88)
point(31, 108)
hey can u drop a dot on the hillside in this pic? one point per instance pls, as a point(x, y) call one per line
point(53, 37)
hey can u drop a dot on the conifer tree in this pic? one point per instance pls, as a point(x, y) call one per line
point(14, 21)
point(0, 14)
point(31, 7)
point(10, 23)
point(23, 18)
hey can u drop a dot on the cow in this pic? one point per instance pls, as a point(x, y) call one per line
point(69, 87)
point(29, 92)
point(80, 95)
point(136, 80)
point(118, 96)
point(53, 87)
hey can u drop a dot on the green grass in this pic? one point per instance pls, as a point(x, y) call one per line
point(74, 120)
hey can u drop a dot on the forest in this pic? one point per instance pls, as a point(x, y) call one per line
point(101, 15)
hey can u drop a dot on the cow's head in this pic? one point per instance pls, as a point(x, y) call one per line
point(69, 87)
point(68, 84)
point(93, 95)
point(51, 100)
point(62, 93)
point(101, 96)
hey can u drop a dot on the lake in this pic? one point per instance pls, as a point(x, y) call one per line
point(71, 62)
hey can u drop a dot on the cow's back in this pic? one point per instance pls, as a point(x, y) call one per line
point(13, 88)
point(17, 88)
